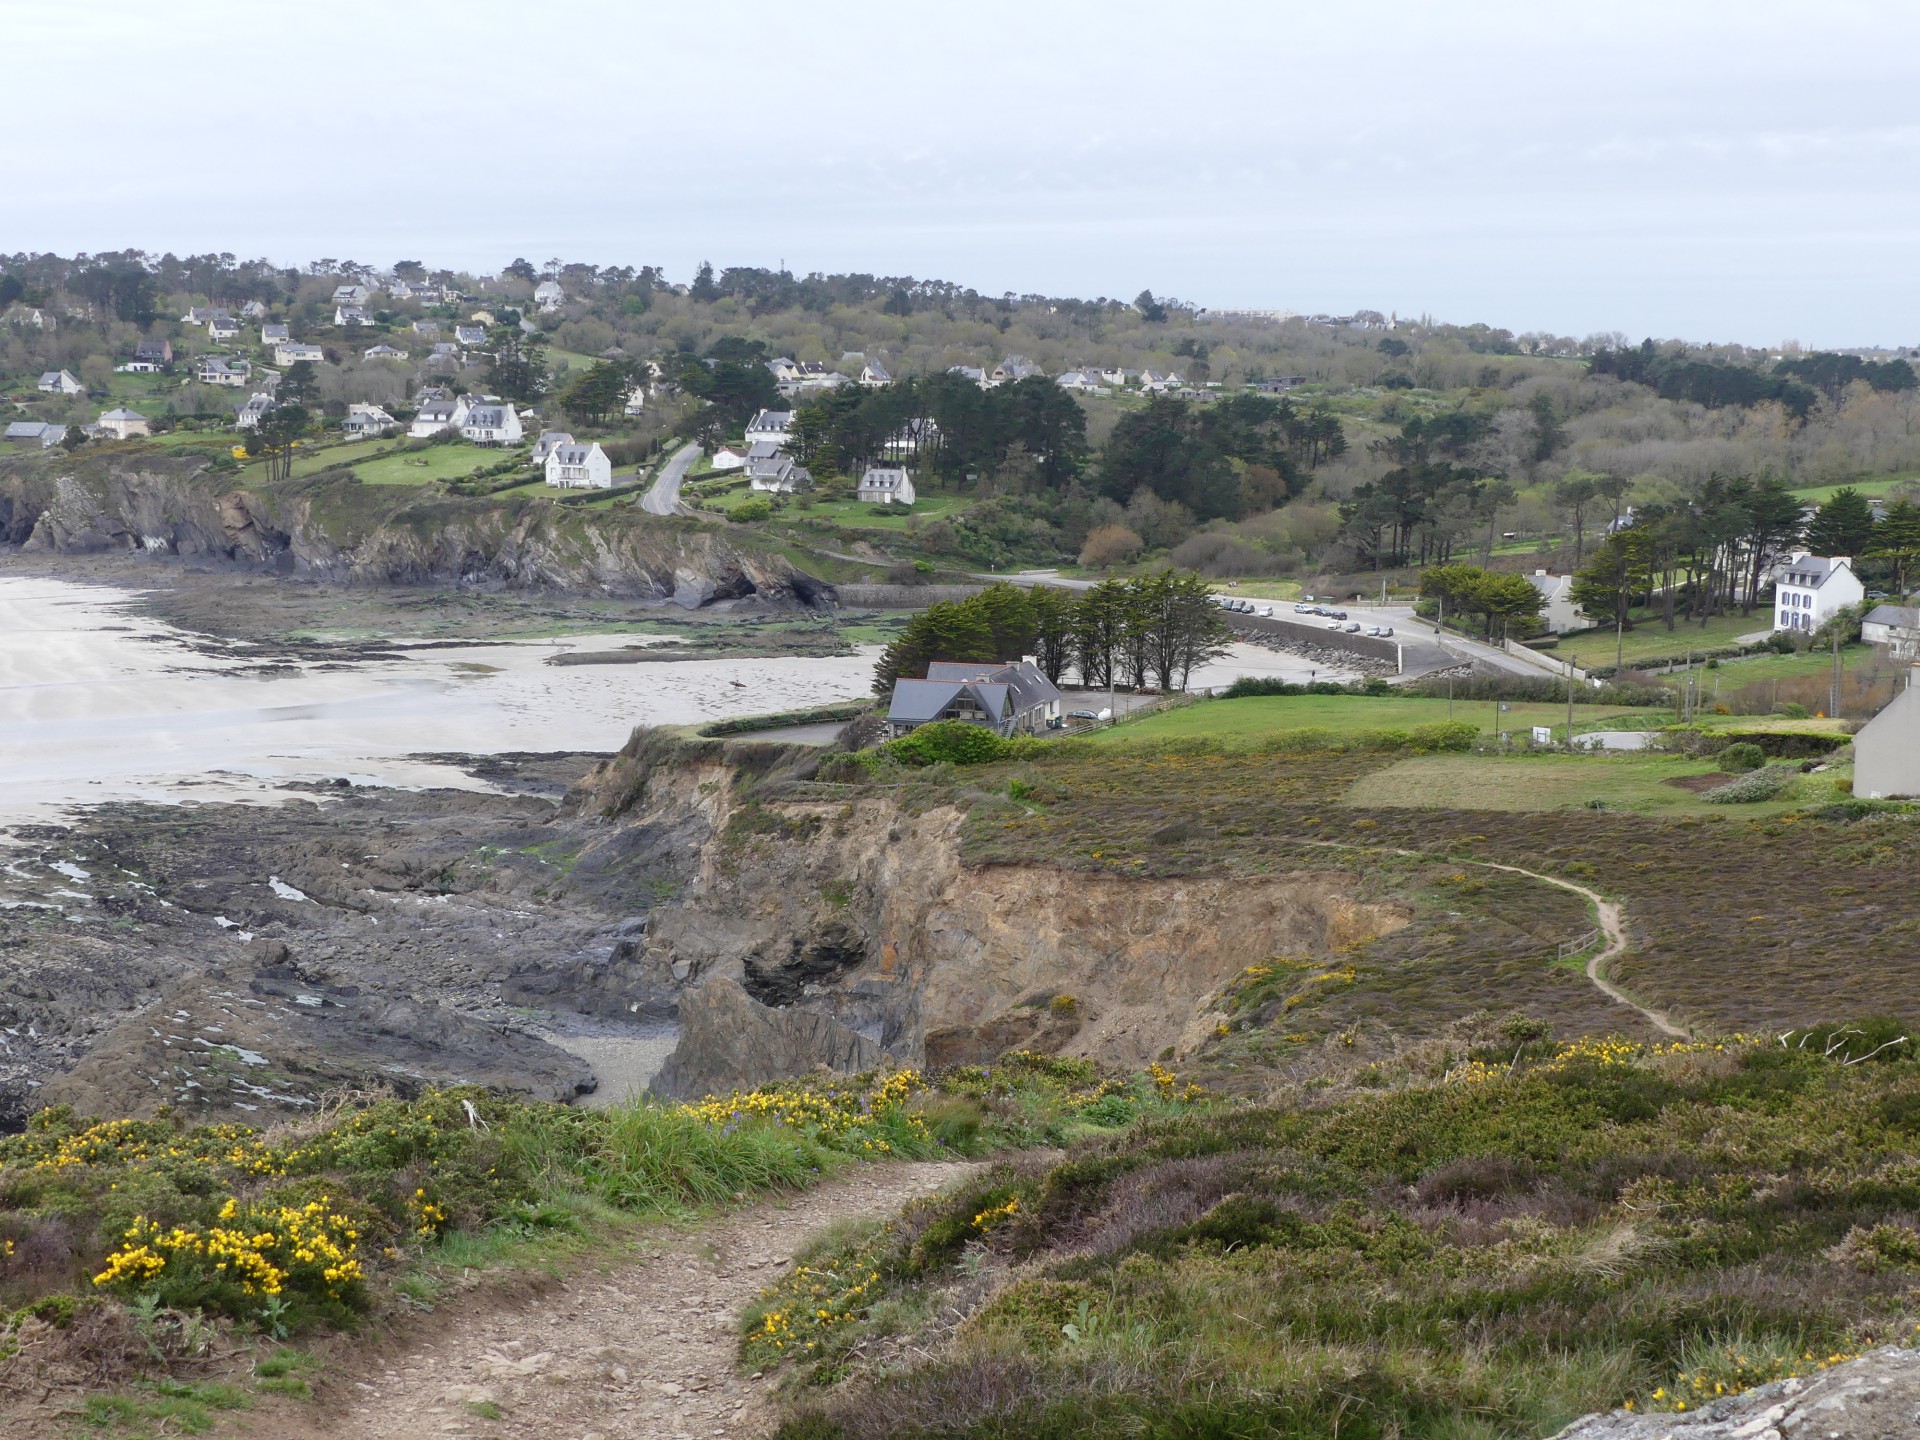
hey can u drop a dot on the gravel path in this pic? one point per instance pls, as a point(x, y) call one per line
point(647, 1350)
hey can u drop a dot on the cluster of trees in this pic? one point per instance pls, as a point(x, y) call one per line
point(1795, 384)
point(1151, 631)
point(1444, 485)
point(1239, 456)
point(1705, 555)
point(949, 428)
point(1501, 598)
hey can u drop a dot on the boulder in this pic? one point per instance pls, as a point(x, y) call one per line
point(730, 1041)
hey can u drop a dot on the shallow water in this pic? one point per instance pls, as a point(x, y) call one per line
point(98, 702)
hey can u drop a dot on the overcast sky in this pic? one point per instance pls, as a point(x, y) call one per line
point(1690, 168)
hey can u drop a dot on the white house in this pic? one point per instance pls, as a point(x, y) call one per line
point(354, 295)
point(1812, 588)
point(367, 420)
point(1014, 367)
point(728, 457)
point(1557, 610)
point(1112, 375)
point(271, 335)
point(36, 433)
point(223, 327)
point(215, 370)
point(1886, 752)
point(470, 334)
point(886, 485)
point(785, 372)
point(1156, 382)
point(200, 314)
point(873, 373)
point(253, 310)
point(636, 401)
point(492, 423)
point(1081, 380)
point(351, 315)
point(248, 415)
point(426, 327)
point(773, 426)
point(579, 467)
point(546, 444)
point(777, 474)
point(383, 352)
point(292, 352)
point(1010, 699)
point(1895, 626)
point(61, 382)
point(432, 418)
point(970, 372)
point(124, 424)
point(549, 295)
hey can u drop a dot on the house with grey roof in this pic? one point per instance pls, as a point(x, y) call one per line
point(123, 424)
point(969, 372)
point(886, 485)
point(432, 418)
point(774, 426)
point(61, 382)
point(1081, 380)
point(1895, 626)
point(159, 352)
point(1010, 699)
point(549, 295)
point(873, 373)
point(1014, 367)
point(249, 414)
point(491, 423)
point(223, 327)
point(1886, 752)
point(777, 474)
point(1809, 590)
point(345, 315)
point(271, 335)
point(229, 371)
point(1557, 610)
point(573, 466)
point(544, 446)
point(292, 352)
point(470, 334)
point(365, 419)
point(351, 295)
point(36, 434)
point(383, 352)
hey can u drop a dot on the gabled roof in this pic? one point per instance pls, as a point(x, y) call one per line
point(1906, 617)
point(574, 454)
point(1813, 571)
point(771, 420)
point(1029, 685)
point(122, 413)
point(26, 429)
point(488, 417)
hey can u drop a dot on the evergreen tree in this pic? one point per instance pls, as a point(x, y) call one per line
point(1896, 540)
point(1843, 525)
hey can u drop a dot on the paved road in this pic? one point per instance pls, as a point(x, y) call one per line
point(663, 497)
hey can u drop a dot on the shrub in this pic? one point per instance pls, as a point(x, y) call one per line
point(749, 512)
point(953, 742)
point(1739, 758)
point(1753, 787)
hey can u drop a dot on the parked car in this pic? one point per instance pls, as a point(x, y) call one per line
point(1301, 609)
point(1267, 611)
point(1082, 715)
point(1353, 627)
point(1333, 624)
point(1338, 614)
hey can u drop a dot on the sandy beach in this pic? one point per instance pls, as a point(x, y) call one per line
point(98, 702)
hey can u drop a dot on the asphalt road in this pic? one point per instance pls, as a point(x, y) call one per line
point(663, 496)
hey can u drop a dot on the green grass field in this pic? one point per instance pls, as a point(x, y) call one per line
point(417, 467)
point(1560, 782)
point(1249, 721)
point(1650, 639)
point(1874, 489)
point(854, 515)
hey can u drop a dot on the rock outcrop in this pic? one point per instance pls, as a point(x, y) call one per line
point(330, 526)
point(1876, 1397)
point(729, 1040)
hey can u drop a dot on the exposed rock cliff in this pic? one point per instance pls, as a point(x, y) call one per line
point(865, 913)
point(330, 526)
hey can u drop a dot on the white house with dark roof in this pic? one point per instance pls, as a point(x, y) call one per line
point(573, 466)
point(249, 414)
point(223, 327)
point(1014, 367)
point(363, 419)
point(271, 335)
point(345, 315)
point(1084, 381)
point(1810, 589)
point(873, 373)
point(292, 352)
point(1015, 699)
point(355, 295)
point(383, 352)
point(728, 457)
point(222, 370)
point(432, 418)
point(772, 426)
point(970, 372)
point(886, 485)
point(470, 334)
point(493, 422)
point(61, 382)
point(426, 327)
point(544, 446)
point(778, 474)
point(549, 295)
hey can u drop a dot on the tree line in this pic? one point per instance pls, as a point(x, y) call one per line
point(1146, 632)
point(1796, 384)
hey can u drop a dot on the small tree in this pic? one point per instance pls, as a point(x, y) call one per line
point(1110, 545)
point(274, 437)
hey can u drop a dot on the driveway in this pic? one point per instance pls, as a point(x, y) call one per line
point(663, 496)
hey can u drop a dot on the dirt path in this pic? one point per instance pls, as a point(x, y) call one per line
point(642, 1351)
point(1606, 913)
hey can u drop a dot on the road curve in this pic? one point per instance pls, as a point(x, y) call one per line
point(663, 496)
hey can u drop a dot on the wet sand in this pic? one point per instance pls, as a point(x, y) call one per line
point(99, 702)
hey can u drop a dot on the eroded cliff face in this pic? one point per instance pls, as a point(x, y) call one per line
point(332, 527)
point(865, 913)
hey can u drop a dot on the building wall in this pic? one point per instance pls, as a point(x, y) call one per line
point(1886, 754)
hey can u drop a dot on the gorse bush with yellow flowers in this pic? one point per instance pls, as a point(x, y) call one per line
point(302, 1226)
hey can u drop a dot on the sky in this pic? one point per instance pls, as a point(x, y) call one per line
point(1692, 169)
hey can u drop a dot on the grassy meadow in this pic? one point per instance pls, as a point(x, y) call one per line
point(1249, 722)
point(1647, 783)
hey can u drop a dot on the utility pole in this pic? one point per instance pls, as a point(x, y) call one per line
point(1833, 706)
point(1569, 704)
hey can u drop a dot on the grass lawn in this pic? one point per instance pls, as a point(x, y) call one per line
point(1874, 489)
point(417, 467)
point(1650, 640)
point(855, 515)
point(1560, 782)
point(1263, 589)
point(1247, 722)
